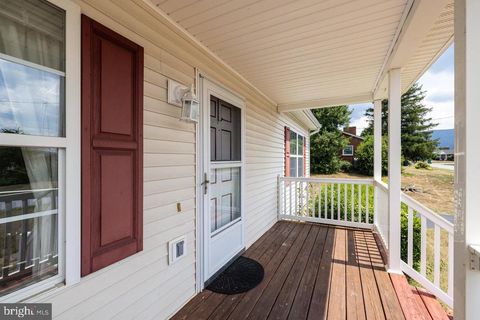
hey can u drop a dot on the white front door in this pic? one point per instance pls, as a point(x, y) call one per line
point(222, 137)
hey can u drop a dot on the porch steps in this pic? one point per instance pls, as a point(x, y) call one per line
point(417, 303)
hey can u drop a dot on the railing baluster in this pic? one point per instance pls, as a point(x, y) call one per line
point(306, 200)
point(353, 202)
point(326, 204)
point(436, 264)
point(284, 197)
point(345, 194)
point(338, 201)
point(300, 199)
point(319, 189)
point(423, 246)
point(410, 237)
point(331, 200)
point(359, 203)
point(367, 204)
point(450, 265)
point(296, 198)
point(290, 197)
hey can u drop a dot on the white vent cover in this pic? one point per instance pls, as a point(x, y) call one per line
point(177, 248)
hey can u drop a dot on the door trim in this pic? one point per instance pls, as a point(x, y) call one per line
point(206, 86)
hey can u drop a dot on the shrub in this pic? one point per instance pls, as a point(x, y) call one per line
point(422, 165)
point(364, 155)
point(345, 166)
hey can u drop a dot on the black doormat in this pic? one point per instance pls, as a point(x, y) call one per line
point(242, 275)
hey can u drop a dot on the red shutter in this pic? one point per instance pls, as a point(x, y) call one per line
point(287, 151)
point(304, 156)
point(112, 150)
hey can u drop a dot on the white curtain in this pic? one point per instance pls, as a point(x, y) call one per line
point(31, 102)
point(41, 165)
point(33, 30)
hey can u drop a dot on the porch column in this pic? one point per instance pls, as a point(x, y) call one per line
point(377, 149)
point(377, 140)
point(466, 290)
point(394, 168)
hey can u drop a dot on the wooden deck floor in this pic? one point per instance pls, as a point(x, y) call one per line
point(311, 272)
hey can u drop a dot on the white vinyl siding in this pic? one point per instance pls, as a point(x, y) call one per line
point(144, 286)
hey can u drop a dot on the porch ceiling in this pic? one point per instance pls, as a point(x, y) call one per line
point(311, 53)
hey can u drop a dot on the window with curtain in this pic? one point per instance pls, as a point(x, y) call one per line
point(32, 95)
point(348, 150)
point(296, 154)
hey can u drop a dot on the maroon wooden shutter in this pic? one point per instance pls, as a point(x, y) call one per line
point(287, 151)
point(112, 150)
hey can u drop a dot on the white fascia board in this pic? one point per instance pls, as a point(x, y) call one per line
point(325, 102)
point(418, 19)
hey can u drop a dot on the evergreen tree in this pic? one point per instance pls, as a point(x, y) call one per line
point(417, 142)
point(326, 145)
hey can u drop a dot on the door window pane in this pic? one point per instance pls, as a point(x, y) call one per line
point(28, 216)
point(33, 31)
point(31, 101)
point(224, 197)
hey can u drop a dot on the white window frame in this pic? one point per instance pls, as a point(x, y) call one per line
point(69, 162)
point(300, 154)
point(347, 154)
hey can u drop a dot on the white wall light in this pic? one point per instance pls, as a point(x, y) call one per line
point(184, 97)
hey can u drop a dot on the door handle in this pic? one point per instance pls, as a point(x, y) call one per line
point(205, 183)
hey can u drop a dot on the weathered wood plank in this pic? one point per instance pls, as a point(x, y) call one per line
point(302, 299)
point(250, 299)
point(407, 299)
point(286, 296)
point(316, 272)
point(420, 304)
point(432, 304)
point(390, 303)
point(266, 301)
point(355, 303)
point(337, 300)
point(319, 302)
point(371, 296)
point(231, 302)
point(210, 304)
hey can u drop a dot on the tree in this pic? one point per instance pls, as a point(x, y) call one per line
point(326, 145)
point(417, 142)
point(364, 156)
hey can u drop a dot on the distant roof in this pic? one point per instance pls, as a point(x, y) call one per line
point(353, 135)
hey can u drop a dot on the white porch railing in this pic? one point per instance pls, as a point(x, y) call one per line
point(429, 254)
point(427, 238)
point(345, 202)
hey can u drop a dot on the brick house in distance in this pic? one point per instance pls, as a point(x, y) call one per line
point(348, 153)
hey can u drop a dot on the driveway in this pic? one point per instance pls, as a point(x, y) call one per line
point(448, 165)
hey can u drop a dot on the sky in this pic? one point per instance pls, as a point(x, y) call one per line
point(439, 86)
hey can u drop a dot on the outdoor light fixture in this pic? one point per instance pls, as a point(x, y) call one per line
point(190, 106)
point(184, 97)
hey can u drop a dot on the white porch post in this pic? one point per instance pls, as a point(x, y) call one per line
point(466, 292)
point(394, 168)
point(377, 149)
point(377, 143)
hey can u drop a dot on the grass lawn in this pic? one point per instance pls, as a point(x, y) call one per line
point(434, 187)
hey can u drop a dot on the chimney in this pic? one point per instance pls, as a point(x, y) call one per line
point(351, 130)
